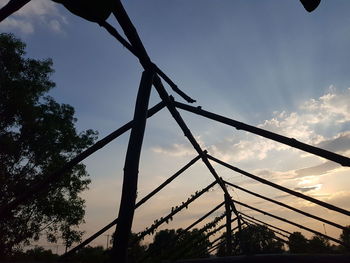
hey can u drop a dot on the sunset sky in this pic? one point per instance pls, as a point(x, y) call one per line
point(266, 63)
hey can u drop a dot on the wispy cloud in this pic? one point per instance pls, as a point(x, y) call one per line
point(317, 169)
point(308, 188)
point(36, 13)
point(320, 122)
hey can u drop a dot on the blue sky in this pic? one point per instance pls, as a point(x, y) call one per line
point(267, 63)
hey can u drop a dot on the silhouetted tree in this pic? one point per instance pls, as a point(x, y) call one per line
point(257, 240)
point(319, 244)
point(345, 238)
point(90, 255)
point(177, 244)
point(37, 136)
point(37, 254)
point(136, 250)
point(298, 243)
point(221, 251)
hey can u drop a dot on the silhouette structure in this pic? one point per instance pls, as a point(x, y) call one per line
point(310, 5)
point(98, 11)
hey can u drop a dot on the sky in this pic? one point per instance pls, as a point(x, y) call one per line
point(266, 63)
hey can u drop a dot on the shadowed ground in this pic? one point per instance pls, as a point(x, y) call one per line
point(275, 259)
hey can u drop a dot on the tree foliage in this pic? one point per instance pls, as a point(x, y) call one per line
point(90, 255)
point(37, 136)
point(256, 239)
point(36, 254)
point(345, 238)
point(318, 244)
point(171, 244)
point(297, 243)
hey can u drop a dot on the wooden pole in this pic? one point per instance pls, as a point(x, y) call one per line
point(282, 188)
point(345, 161)
point(51, 179)
point(288, 207)
point(11, 7)
point(137, 47)
point(203, 217)
point(127, 204)
point(190, 244)
point(265, 225)
point(262, 222)
point(169, 101)
point(292, 223)
point(141, 202)
point(175, 211)
point(228, 226)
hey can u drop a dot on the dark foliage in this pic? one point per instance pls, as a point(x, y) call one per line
point(318, 245)
point(298, 243)
point(37, 254)
point(90, 255)
point(170, 244)
point(256, 240)
point(37, 136)
point(345, 238)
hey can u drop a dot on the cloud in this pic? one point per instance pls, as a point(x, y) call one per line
point(308, 188)
point(13, 24)
point(331, 107)
point(339, 143)
point(176, 150)
point(323, 122)
point(179, 149)
point(36, 13)
point(318, 169)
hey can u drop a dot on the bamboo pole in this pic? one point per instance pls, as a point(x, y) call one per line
point(221, 227)
point(151, 251)
point(212, 248)
point(175, 211)
point(129, 191)
point(216, 246)
point(292, 223)
point(44, 186)
point(288, 207)
point(275, 237)
point(138, 48)
point(282, 188)
point(215, 240)
point(141, 202)
point(262, 222)
point(345, 161)
point(207, 236)
point(11, 7)
point(228, 226)
point(265, 225)
point(203, 217)
point(169, 101)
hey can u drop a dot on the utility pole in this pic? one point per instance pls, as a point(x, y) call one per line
point(107, 245)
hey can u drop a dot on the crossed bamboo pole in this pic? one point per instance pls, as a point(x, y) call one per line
point(138, 204)
point(291, 222)
point(50, 180)
point(288, 207)
point(282, 188)
point(264, 223)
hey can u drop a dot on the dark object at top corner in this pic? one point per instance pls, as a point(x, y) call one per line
point(310, 5)
point(92, 10)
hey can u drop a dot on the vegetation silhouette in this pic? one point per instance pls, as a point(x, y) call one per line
point(37, 136)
